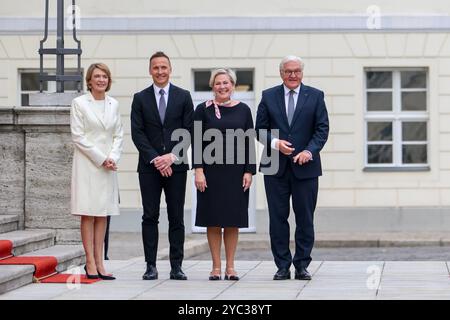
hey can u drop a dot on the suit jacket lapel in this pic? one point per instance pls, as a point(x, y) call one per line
point(151, 103)
point(302, 97)
point(282, 105)
point(170, 101)
point(108, 110)
point(91, 110)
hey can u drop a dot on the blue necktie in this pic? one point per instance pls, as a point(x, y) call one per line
point(162, 105)
point(291, 107)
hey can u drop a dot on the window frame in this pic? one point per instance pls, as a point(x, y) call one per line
point(51, 85)
point(236, 70)
point(397, 116)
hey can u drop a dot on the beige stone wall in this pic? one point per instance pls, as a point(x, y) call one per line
point(229, 8)
point(334, 63)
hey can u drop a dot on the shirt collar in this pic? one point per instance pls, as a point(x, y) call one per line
point(91, 97)
point(287, 90)
point(166, 88)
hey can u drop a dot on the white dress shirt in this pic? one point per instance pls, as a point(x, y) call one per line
point(286, 96)
point(274, 141)
point(158, 95)
point(166, 97)
point(273, 144)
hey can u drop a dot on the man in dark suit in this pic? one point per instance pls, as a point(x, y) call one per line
point(295, 122)
point(156, 112)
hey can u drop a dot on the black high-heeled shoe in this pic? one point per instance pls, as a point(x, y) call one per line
point(103, 277)
point(90, 276)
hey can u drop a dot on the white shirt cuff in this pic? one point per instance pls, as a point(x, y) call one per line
point(174, 157)
point(273, 144)
point(310, 154)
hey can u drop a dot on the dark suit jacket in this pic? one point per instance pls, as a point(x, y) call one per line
point(153, 138)
point(308, 130)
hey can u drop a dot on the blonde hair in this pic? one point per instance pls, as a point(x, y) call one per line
point(230, 73)
point(102, 67)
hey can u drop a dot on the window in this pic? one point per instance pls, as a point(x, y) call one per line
point(244, 80)
point(29, 83)
point(396, 118)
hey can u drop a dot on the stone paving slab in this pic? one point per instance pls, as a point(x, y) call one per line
point(357, 239)
point(126, 245)
point(332, 280)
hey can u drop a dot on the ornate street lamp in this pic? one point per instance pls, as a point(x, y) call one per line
point(60, 77)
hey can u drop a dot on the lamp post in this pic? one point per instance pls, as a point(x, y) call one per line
point(43, 146)
point(60, 52)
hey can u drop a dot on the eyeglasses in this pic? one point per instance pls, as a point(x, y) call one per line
point(289, 72)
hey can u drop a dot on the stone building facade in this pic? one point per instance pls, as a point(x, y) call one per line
point(385, 71)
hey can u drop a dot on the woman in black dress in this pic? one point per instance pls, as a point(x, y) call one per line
point(223, 180)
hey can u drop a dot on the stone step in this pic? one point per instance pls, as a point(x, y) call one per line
point(15, 276)
point(25, 241)
point(8, 223)
point(68, 256)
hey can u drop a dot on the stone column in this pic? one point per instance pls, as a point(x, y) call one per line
point(12, 166)
point(35, 176)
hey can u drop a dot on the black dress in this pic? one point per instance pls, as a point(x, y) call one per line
point(224, 202)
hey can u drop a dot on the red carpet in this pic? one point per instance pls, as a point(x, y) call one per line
point(6, 247)
point(69, 278)
point(45, 267)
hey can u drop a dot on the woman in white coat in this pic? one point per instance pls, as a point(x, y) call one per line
point(97, 135)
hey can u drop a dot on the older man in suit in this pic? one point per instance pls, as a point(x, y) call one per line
point(297, 113)
point(156, 112)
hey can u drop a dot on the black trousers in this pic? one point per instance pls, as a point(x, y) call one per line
point(108, 222)
point(152, 184)
point(279, 190)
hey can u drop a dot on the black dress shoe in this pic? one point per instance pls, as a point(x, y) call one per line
point(105, 277)
point(302, 274)
point(90, 276)
point(282, 274)
point(177, 274)
point(151, 273)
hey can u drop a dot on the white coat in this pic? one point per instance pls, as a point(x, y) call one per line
point(95, 190)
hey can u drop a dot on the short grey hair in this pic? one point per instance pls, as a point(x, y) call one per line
point(292, 58)
point(230, 73)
